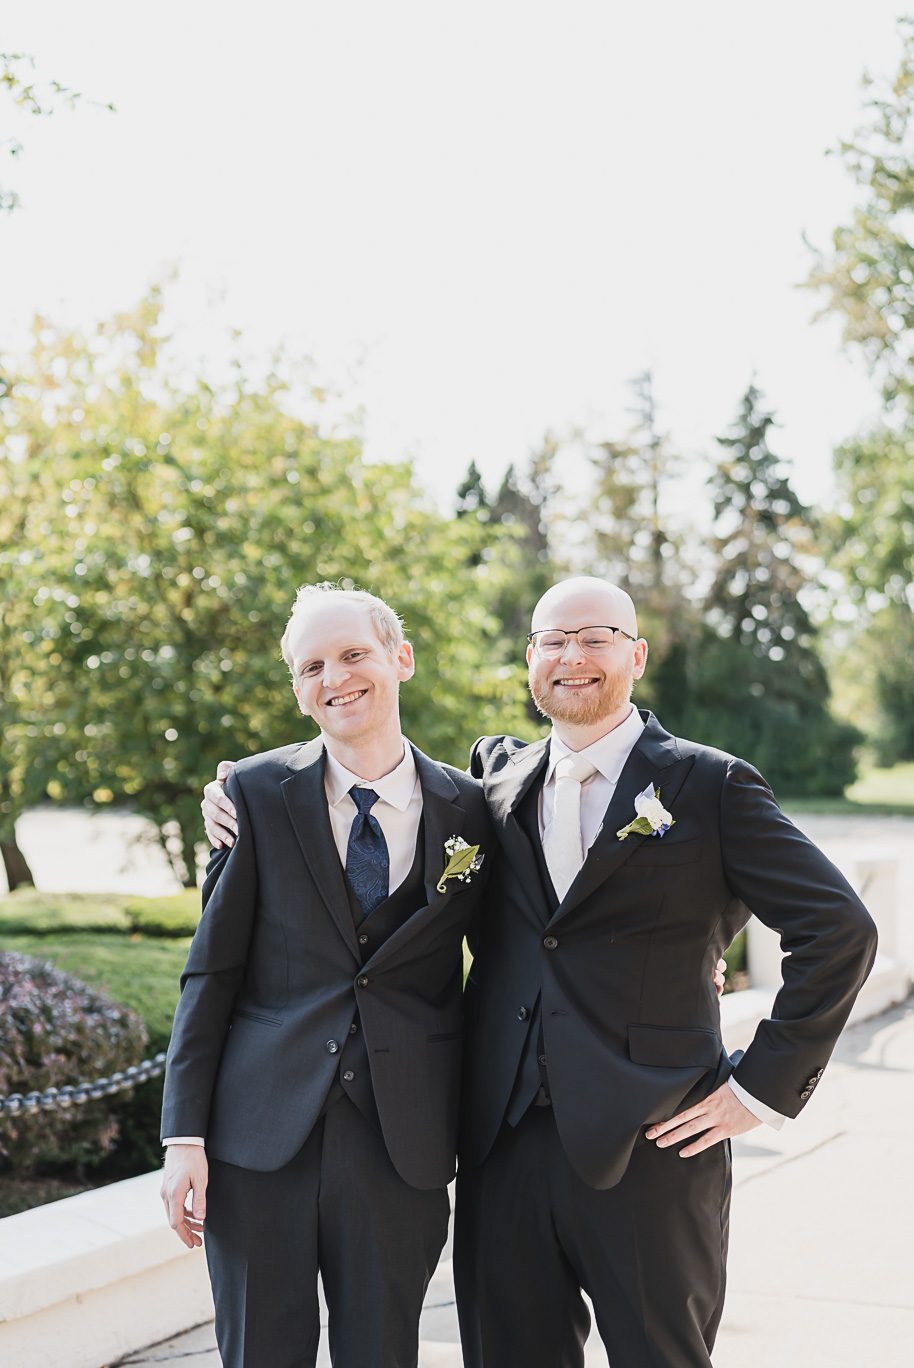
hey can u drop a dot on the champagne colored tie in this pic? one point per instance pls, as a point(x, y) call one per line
point(562, 843)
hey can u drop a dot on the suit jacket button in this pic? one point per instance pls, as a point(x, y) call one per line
point(332, 1046)
point(362, 980)
point(348, 1076)
point(550, 943)
point(807, 1093)
point(363, 940)
point(353, 1028)
point(542, 1060)
point(522, 1014)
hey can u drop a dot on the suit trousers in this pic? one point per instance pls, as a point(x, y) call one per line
point(650, 1253)
point(339, 1208)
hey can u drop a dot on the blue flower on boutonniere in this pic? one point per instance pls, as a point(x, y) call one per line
point(463, 861)
point(652, 819)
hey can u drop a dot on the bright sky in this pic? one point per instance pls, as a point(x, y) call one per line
point(481, 218)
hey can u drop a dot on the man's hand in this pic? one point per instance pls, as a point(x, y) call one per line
point(719, 977)
point(219, 816)
point(186, 1170)
point(719, 1117)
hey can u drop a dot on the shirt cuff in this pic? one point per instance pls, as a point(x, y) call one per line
point(183, 1140)
point(758, 1109)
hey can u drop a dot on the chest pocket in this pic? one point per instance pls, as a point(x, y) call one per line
point(660, 850)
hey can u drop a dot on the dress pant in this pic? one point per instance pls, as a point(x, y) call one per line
point(340, 1208)
point(650, 1253)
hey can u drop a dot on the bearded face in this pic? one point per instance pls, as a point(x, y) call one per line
point(584, 692)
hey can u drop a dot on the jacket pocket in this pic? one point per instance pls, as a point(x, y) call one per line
point(670, 1047)
point(445, 1035)
point(656, 850)
point(263, 1017)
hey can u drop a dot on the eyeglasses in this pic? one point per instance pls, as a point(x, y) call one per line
point(592, 640)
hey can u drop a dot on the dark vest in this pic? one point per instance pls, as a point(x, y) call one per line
point(531, 1071)
point(353, 1078)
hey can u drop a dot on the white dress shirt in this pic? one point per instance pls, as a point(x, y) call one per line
point(608, 756)
point(398, 810)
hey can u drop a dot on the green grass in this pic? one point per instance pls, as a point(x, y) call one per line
point(28, 911)
point(877, 793)
point(141, 972)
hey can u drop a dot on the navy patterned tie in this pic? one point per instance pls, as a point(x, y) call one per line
point(367, 857)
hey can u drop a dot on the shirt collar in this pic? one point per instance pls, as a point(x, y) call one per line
point(608, 755)
point(395, 788)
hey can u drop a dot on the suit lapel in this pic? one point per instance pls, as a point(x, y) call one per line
point(505, 788)
point(444, 817)
point(306, 802)
point(654, 759)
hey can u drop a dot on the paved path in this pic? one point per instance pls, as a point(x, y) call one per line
point(822, 1257)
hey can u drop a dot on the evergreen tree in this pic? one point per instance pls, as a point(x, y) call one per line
point(756, 685)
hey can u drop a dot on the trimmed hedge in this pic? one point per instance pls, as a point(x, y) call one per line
point(54, 1030)
point(28, 912)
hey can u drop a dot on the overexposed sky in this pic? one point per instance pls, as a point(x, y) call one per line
point(481, 218)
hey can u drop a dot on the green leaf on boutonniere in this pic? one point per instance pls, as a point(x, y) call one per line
point(639, 827)
point(461, 862)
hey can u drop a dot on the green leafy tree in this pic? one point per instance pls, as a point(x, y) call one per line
point(169, 524)
point(756, 683)
point(17, 84)
point(872, 536)
point(868, 280)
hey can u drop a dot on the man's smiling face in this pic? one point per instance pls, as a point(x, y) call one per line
point(575, 687)
point(343, 676)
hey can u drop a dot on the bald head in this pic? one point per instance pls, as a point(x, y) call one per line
point(585, 601)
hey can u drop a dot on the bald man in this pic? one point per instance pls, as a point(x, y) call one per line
point(599, 1102)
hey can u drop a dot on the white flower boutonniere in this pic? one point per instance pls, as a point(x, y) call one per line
point(463, 861)
point(652, 819)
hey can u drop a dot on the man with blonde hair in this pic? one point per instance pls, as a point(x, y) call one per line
point(313, 1074)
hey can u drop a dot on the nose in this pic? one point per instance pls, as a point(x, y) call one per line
point(572, 654)
point(335, 674)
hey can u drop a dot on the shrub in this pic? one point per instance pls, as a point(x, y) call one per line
point(55, 1031)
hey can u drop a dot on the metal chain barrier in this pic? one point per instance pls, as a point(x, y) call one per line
point(60, 1099)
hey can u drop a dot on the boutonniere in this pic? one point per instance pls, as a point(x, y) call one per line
point(463, 861)
point(652, 819)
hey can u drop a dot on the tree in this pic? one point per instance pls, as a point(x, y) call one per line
point(25, 95)
point(756, 683)
point(520, 560)
point(872, 536)
point(868, 279)
point(168, 527)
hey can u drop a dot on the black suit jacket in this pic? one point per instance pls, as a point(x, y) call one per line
point(622, 971)
point(275, 977)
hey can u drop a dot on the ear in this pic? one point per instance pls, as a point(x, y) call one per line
point(298, 695)
point(406, 665)
point(640, 658)
point(529, 652)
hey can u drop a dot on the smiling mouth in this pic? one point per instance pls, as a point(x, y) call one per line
point(579, 682)
point(346, 698)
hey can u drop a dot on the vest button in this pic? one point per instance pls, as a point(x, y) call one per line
point(362, 980)
point(363, 940)
point(348, 1076)
point(550, 943)
point(332, 1046)
point(353, 1028)
point(522, 1014)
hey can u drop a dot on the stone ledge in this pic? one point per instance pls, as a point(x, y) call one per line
point(740, 1013)
point(96, 1276)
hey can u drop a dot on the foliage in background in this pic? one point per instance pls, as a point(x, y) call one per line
point(56, 1031)
point(162, 529)
point(868, 280)
point(756, 685)
point(16, 83)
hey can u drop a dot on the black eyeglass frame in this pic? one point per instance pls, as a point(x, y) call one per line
point(595, 627)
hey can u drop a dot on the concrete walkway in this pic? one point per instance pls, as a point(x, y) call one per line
point(822, 1256)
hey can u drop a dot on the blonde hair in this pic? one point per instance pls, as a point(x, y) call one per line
point(388, 625)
